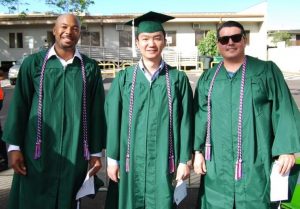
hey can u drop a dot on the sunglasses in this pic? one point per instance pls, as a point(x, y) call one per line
point(235, 38)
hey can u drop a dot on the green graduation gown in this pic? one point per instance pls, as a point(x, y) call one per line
point(148, 183)
point(53, 180)
point(271, 124)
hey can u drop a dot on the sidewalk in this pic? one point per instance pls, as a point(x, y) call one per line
point(99, 201)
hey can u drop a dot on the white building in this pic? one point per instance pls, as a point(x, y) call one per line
point(106, 37)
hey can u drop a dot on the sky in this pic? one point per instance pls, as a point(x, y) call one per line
point(281, 14)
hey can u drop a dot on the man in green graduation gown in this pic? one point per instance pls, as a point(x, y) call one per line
point(149, 120)
point(245, 118)
point(56, 125)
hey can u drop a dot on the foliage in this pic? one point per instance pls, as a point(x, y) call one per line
point(10, 4)
point(281, 36)
point(208, 45)
point(77, 6)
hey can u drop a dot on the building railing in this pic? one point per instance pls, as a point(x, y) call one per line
point(122, 57)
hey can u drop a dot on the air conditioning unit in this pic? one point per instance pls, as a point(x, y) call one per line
point(119, 27)
point(196, 26)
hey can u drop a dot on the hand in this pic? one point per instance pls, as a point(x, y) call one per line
point(286, 162)
point(199, 164)
point(113, 172)
point(183, 172)
point(95, 165)
point(17, 162)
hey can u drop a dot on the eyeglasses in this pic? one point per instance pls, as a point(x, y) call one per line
point(235, 38)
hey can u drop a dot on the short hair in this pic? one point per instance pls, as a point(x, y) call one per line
point(137, 34)
point(231, 24)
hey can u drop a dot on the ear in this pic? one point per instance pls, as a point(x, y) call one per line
point(137, 43)
point(53, 31)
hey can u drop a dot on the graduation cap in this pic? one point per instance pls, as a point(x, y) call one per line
point(150, 22)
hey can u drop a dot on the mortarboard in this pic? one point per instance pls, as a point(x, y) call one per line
point(149, 22)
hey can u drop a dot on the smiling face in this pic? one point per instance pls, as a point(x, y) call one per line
point(232, 50)
point(66, 32)
point(151, 45)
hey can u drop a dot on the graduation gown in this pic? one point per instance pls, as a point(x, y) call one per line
point(271, 124)
point(53, 180)
point(148, 184)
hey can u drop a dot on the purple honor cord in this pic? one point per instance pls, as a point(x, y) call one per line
point(38, 143)
point(238, 166)
point(170, 107)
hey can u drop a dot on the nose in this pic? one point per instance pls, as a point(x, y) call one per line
point(230, 41)
point(68, 30)
point(151, 42)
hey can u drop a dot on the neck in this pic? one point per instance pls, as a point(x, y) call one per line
point(150, 65)
point(65, 54)
point(232, 65)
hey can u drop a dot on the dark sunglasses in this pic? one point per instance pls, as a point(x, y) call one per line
point(235, 38)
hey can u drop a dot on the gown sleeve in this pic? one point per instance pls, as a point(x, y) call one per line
point(285, 114)
point(20, 105)
point(200, 113)
point(97, 115)
point(113, 112)
point(186, 126)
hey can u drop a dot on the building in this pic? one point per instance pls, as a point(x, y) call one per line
point(107, 39)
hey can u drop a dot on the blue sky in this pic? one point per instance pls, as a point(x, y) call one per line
point(139, 6)
point(280, 13)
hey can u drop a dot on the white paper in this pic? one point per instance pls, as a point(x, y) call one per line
point(180, 192)
point(279, 184)
point(87, 187)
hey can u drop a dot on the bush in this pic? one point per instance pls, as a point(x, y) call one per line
point(208, 45)
point(281, 36)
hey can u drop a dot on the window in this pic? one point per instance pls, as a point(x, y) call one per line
point(199, 35)
point(171, 38)
point(297, 40)
point(90, 38)
point(15, 40)
point(125, 38)
point(247, 37)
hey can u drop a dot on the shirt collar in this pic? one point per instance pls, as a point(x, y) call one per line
point(52, 52)
point(150, 77)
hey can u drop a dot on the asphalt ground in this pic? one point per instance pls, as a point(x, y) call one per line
point(190, 202)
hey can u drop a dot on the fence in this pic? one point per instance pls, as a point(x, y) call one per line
point(111, 59)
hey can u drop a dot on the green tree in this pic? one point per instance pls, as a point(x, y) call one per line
point(281, 36)
point(208, 45)
point(77, 6)
point(10, 4)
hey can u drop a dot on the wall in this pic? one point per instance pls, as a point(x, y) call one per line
point(185, 38)
point(111, 36)
point(13, 54)
point(286, 58)
point(258, 41)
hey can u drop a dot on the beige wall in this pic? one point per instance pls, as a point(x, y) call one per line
point(286, 58)
point(12, 54)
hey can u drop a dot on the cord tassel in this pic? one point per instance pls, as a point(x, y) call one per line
point(127, 163)
point(171, 164)
point(238, 169)
point(86, 151)
point(207, 151)
point(37, 153)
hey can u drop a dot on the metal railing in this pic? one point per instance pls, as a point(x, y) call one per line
point(121, 57)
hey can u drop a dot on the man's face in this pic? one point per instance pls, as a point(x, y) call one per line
point(235, 48)
point(151, 45)
point(66, 32)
